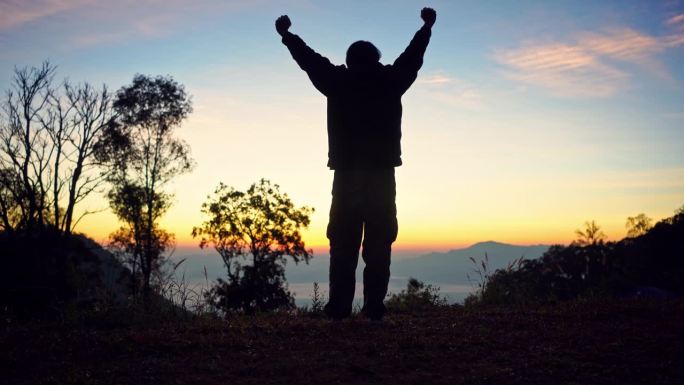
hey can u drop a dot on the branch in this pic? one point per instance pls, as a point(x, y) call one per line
point(87, 212)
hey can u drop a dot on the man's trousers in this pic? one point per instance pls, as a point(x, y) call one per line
point(363, 213)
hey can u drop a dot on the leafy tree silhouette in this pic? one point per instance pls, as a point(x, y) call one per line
point(591, 235)
point(139, 244)
point(144, 156)
point(638, 225)
point(261, 224)
point(680, 210)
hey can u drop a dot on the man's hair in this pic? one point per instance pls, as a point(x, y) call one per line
point(362, 54)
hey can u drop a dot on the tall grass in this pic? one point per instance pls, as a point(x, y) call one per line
point(185, 297)
point(483, 282)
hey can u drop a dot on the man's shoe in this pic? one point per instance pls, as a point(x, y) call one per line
point(373, 314)
point(333, 314)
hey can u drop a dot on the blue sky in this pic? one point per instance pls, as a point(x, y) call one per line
point(528, 117)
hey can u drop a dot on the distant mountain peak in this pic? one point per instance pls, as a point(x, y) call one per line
point(489, 243)
point(454, 266)
point(494, 248)
point(480, 246)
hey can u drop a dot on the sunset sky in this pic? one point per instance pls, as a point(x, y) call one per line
point(527, 119)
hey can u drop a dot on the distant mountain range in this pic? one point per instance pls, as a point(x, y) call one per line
point(449, 267)
point(454, 265)
point(448, 270)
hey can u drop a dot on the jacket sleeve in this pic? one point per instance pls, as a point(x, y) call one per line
point(410, 61)
point(320, 70)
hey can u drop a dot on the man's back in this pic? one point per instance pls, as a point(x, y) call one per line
point(364, 118)
point(364, 103)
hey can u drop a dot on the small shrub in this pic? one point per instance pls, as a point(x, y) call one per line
point(315, 310)
point(260, 289)
point(417, 295)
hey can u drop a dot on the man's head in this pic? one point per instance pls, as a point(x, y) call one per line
point(362, 55)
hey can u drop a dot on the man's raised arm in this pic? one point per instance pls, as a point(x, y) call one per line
point(318, 67)
point(411, 59)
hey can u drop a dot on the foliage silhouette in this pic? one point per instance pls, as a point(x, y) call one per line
point(585, 269)
point(262, 225)
point(638, 225)
point(591, 235)
point(144, 155)
point(415, 297)
point(129, 242)
point(317, 300)
point(316, 309)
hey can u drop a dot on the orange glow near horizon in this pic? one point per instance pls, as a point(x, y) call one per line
point(415, 239)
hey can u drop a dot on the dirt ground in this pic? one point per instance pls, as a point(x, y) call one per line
point(605, 342)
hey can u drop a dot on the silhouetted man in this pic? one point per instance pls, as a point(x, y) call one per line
point(364, 133)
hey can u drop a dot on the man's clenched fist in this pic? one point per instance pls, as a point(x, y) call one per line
point(429, 16)
point(283, 23)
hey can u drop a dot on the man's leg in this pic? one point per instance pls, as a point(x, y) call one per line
point(344, 232)
point(380, 231)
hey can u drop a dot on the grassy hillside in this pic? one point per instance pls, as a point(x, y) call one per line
point(610, 342)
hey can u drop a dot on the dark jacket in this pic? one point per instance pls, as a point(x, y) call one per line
point(364, 107)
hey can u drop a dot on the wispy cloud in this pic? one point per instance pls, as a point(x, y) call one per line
point(101, 22)
point(17, 12)
point(146, 25)
point(562, 69)
point(590, 65)
point(436, 79)
point(678, 23)
point(451, 91)
point(622, 44)
point(675, 20)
